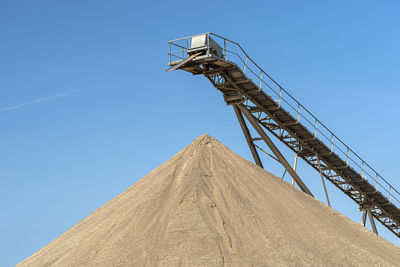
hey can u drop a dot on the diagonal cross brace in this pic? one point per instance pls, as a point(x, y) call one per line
point(274, 149)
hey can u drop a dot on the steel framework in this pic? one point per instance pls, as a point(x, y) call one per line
point(269, 107)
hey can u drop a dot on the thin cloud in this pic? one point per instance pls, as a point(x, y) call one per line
point(37, 101)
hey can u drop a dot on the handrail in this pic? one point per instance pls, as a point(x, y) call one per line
point(348, 153)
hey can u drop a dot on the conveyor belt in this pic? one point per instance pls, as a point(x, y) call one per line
point(299, 130)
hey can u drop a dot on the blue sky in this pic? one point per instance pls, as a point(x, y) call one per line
point(86, 108)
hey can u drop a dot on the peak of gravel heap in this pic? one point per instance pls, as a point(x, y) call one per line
point(207, 206)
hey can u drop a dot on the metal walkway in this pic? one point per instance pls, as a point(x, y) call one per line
point(253, 93)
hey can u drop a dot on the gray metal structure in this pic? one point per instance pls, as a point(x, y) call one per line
point(269, 107)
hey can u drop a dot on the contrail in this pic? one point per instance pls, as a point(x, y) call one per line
point(37, 101)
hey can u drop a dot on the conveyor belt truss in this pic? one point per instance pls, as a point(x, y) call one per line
point(249, 89)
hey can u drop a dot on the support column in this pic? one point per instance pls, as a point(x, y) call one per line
point(367, 212)
point(295, 166)
point(323, 181)
point(364, 218)
point(273, 148)
point(371, 220)
point(247, 134)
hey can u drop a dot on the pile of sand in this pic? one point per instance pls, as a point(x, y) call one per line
point(207, 206)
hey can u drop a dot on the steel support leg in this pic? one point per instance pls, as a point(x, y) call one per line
point(247, 134)
point(295, 166)
point(371, 220)
point(283, 176)
point(274, 149)
point(364, 218)
point(323, 181)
